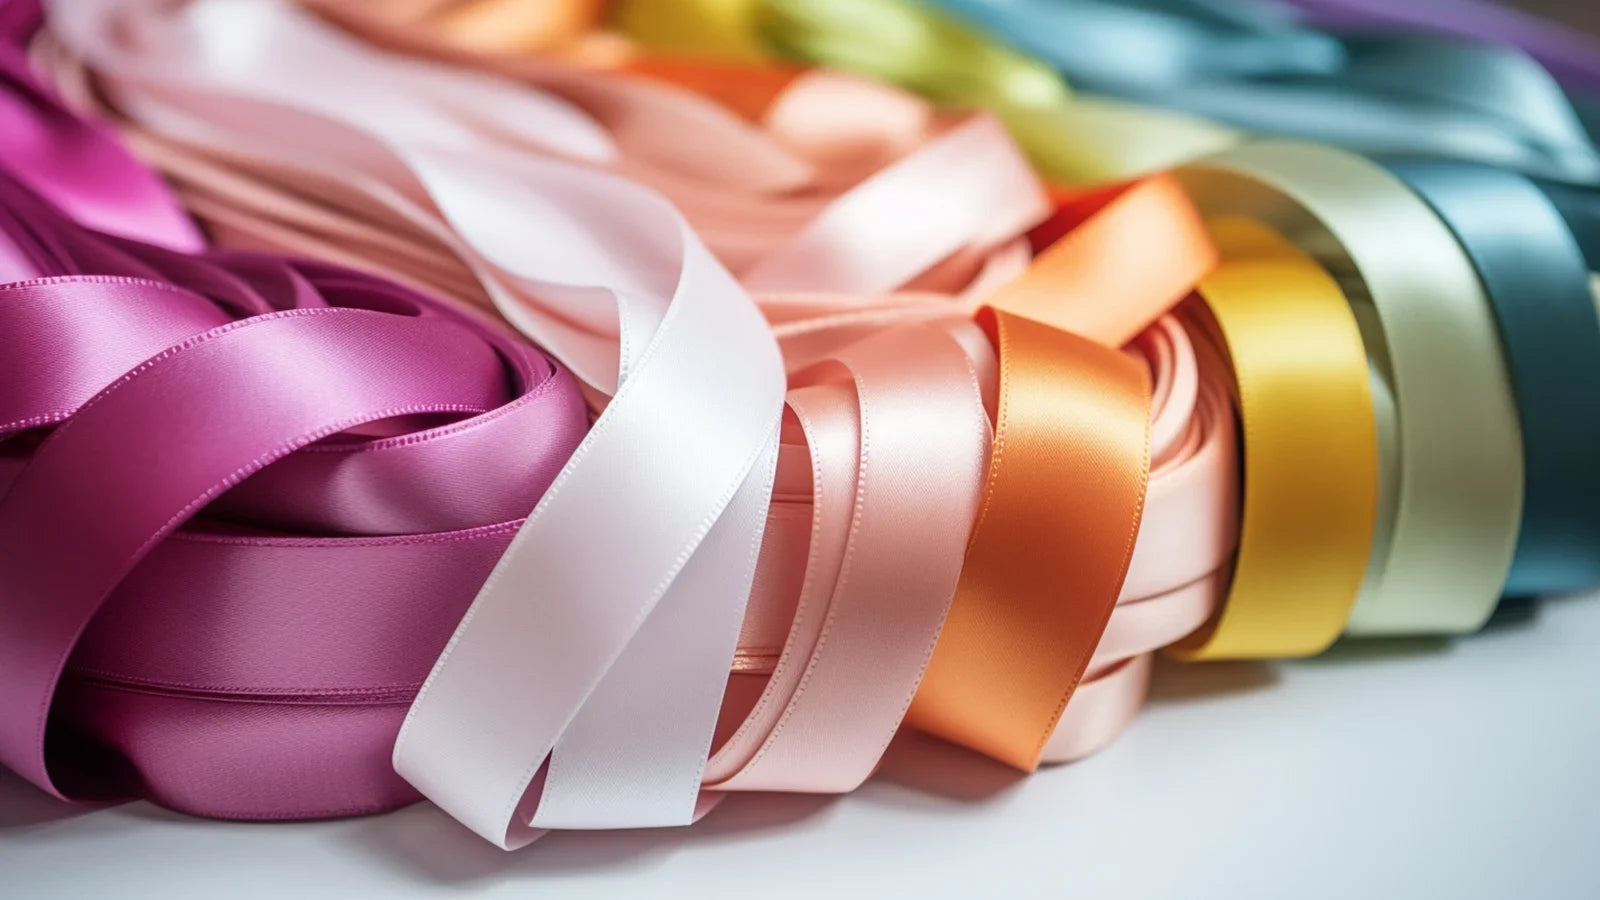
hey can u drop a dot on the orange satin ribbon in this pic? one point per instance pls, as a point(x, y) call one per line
point(1047, 556)
point(1068, 471)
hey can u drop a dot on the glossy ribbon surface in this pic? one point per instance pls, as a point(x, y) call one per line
point(657, 635)
point(310, 395)
point(1451, 465)
point(1070, 137)
point(1310, 446)
point(1535, 276)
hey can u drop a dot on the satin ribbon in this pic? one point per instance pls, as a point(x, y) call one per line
point(612, 280)
point(77, 165)
point(1310, 446)
point(1070, 138)
point(1580, 207)
point(1537, 281)
point(1251, 65)
point(213, 678)
point(1571, 55)
point(752, 190)
point(1038, 585)
point(963, 237)
point(1451, 460)
point(1067, 478)
point(181, 640)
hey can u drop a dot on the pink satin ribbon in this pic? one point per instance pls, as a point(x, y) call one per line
point(245, 655)
point(466, 183)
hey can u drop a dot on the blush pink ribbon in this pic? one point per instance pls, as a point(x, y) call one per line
point(488, 191)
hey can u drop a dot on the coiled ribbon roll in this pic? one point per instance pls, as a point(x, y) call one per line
point(1451, 461)
point(242, 500)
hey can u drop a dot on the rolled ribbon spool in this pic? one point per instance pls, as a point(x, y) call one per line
point(1451, 460)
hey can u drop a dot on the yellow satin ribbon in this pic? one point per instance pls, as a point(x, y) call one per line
point(1071, 138)
point(1310, 446)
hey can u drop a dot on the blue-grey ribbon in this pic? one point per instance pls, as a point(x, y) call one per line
point(1537, 280)
point(1256, 66)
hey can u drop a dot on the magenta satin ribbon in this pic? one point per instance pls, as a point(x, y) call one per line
point(244, 500)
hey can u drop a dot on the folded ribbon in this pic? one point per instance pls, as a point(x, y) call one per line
point(610, 278)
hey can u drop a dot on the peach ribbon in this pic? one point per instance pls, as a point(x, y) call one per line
point(835, 560)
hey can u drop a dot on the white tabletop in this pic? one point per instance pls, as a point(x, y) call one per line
point(1407, 770)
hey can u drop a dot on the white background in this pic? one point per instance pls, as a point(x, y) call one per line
point(1405, 770)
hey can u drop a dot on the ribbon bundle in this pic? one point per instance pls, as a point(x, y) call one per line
point(846, 425)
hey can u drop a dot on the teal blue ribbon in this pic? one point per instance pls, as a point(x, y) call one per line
point(1581, 208)
point(1254, 65)
point(1536, 276)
